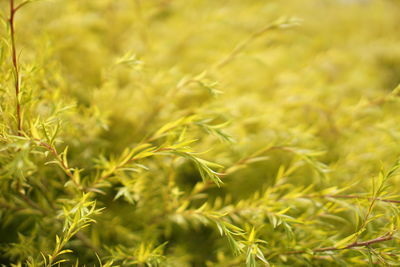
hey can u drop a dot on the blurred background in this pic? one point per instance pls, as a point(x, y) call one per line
point(321, 81)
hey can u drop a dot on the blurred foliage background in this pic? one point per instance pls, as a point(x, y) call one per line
point(297, 101)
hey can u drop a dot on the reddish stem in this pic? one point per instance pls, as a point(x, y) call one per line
point(13, 10)
point(386, 237)
point(353, 197)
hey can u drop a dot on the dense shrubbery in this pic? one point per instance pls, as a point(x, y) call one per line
point(199, 133)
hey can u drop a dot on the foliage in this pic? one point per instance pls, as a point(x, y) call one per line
point(199, 133)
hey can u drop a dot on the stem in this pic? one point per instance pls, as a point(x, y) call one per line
point(13, 11)
point(242, 45)
point(242, 162)
point(80, 235)
point(116, 168)
point(63, 164)
point(386, 237)
point(354, 197)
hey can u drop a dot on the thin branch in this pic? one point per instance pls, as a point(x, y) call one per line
point(17, 78)
point(242, 162)
point(80, 235)
point(353, 197)
point(21, 5)
point(242, 45)
point(386, 237)
point(59, 159)
point(111, 172)
point(33, 204)
point(256, 154)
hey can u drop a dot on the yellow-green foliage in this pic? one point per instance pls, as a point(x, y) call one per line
point(199, 133)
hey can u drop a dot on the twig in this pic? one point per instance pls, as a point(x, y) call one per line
point(386, 237)
point(80, 235)
point(17, 77)
point(33, 204)
point(246, 160)
point(111, 172)
point(63, 164)
point(242, 162)
point(242, 45)
point(353, 197)
point(21, 5)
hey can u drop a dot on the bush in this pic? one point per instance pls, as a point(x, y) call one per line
point(199, 133)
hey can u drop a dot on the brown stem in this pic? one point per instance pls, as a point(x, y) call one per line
point(63, 164)
point(386, 237)
point(13, 10)
point(21, 5)
point(354, 197)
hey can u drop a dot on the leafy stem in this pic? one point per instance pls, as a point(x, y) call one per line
point(61, 159)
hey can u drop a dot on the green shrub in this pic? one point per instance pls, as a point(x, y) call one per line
point(199, 133)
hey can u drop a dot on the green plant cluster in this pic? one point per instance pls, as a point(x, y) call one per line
point(199, 133)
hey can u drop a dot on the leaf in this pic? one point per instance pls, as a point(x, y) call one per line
point(345, 241)
point(168, 126)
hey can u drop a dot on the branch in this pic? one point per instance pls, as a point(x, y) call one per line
point(353, 197)
point(242, 45)
point(80, 235)
point(386, 237)
point(63, 164)
point(239, 164)
point(17, 77)
point(111, 172)
point(21, 5)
